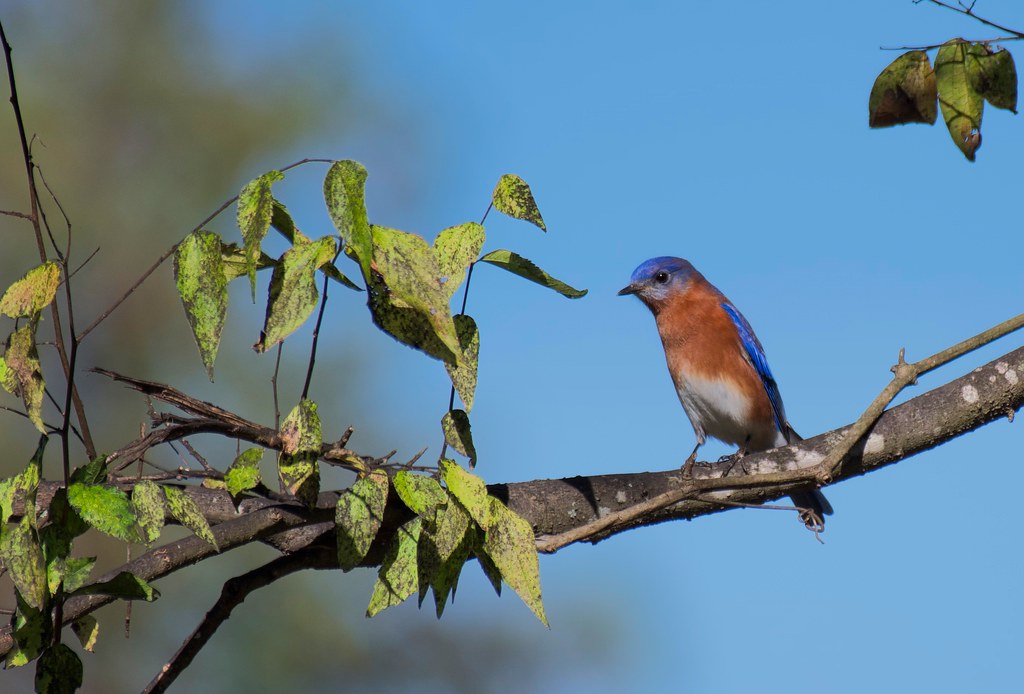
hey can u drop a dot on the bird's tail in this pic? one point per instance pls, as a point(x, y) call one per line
point(812, 500)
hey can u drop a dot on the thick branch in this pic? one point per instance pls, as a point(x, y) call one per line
point(556, 507)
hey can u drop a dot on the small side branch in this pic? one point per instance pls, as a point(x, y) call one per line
point(235, 591)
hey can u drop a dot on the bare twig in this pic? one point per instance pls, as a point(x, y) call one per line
point(316, 336)
point(234, 592)
point(273, 386)
point(197, 456)
point(208, 418)
point(968, 10)
point(905, 374)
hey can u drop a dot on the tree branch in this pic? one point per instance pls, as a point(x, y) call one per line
point(559, 509)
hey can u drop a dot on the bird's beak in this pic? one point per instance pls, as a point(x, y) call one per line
point(630, 289)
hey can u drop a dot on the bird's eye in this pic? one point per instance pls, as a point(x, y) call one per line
point(661, 277)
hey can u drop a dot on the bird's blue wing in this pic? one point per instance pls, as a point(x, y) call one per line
point(757, 358)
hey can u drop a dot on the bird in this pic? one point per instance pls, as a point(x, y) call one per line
point(718, 367)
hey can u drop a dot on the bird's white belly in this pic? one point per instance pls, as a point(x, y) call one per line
point(715, 408)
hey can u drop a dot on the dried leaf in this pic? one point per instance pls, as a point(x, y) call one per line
point(904, 92)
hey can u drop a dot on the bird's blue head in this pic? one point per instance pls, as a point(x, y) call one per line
point(656, 279)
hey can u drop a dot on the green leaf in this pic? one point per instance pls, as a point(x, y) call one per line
point(87, 629)
point(6, 502)
point(24, 376)
point(293, 294)
point(255, 210)
point(125, 585)
point(23, 557)
point(469, 489)
point(405, 295)
point(456, 248)
point(344, 190)
point(32, 629)
point(512, 196)
point(451, 542)
point(70, 572)
point(59, 671)
point(486, 563)
point(150, 509)
point(236, 263)
point(422, 494)
point(993, 75)
point(25, 483)
point(961, 105)
point(509, 542)
point(457, 434)
point(398, 577)
point(32, 293)
point(281, 219)
point(463, 374)
point(65, 525)
point(184, 510)
point(244, 473)
point(904, 92)
point(105, 508)
point(297, 465)
point(335, 274)
point(518, 265)
point(358, 516)
point(93, 472)
point(203, 288)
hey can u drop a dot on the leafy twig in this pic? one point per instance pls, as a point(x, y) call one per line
point(170, 251)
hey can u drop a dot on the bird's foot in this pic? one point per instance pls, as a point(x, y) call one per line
point(733, 460)
point(688, 465)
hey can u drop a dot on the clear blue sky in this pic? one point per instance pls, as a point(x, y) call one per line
point(735, 135)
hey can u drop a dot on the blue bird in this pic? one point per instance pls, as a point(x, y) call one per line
point(718, 367)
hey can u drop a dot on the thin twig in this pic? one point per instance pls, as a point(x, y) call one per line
point(83, 263)
point(968, 11)
point(234, 592)
point(462, 312)
point(316, 335)
point(905, 374)
point(273, 386)
point(998, 39)
point(197, 456)
point(12, 213)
